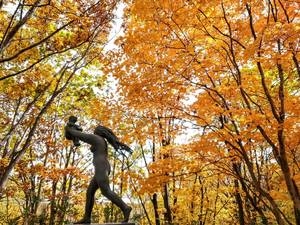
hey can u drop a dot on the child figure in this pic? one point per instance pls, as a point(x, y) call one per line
point(71, 123)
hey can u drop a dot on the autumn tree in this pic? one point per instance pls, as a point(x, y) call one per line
point(207, 92)
point(230, 67)
point(44, 45)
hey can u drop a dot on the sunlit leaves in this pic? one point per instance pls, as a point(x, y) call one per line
point(231, 68)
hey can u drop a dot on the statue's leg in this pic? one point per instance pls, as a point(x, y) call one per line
point(103, 183)
point(90, 196)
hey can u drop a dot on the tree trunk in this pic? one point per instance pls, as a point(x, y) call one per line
point(292, 188)
point(168, 213)
point(155, 207)
point(238, 198)
point(239, 203)
point(52, 204)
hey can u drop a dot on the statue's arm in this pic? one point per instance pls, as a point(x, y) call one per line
point(88, 138)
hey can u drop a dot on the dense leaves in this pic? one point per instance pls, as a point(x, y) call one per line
point(230, 69)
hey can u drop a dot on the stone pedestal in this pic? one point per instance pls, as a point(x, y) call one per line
point(104, 224)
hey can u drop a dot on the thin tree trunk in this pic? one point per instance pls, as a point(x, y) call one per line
point(238, 198)
point(52, 204)
point(64, 199)
point(239, 203)
point(168, 213)
point(155, 208)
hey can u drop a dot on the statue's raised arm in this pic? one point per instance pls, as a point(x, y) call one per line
point(76, 134)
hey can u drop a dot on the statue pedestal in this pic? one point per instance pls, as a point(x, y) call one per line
point(104, 224)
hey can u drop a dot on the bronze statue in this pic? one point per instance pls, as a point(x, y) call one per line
point(102, 167)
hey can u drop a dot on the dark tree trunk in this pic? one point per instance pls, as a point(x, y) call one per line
point(238, 198)
point(155, 207)
point(52, 204)
point(168, 213)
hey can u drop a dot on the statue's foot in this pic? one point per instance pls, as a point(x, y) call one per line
point(126, 213)
point(83, 221)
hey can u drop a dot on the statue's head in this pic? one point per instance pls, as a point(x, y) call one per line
point(73, 119)
point(101, 131)
point(97, 130)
